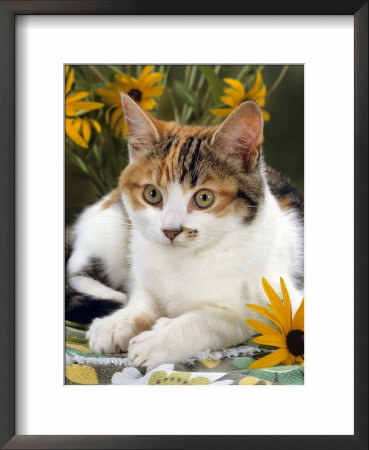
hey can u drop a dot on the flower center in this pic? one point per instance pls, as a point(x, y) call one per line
point(295, 342)
point(135, 94)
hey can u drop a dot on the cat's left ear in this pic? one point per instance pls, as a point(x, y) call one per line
point(240, 134)
point(142, 132)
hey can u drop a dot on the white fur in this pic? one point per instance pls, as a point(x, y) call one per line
point(194, 293)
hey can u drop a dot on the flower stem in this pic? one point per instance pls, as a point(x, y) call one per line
point(98, 73)
point(277, 81)
point(174, 106)
point(186, 83)
point(242, 72)
point(190, 85)
point(115, 69)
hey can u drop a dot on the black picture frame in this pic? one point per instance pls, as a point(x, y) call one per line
point(8, 12)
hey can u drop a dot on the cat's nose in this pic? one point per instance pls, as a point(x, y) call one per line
point(171, 234)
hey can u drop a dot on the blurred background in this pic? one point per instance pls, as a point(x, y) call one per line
point(95, 143)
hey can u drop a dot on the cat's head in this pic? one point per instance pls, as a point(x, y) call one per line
point(186, 186)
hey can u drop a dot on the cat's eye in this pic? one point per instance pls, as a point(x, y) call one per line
point(152, 195)
point(204, 198)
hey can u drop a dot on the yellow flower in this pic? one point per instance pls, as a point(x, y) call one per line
point(289, 338)
point(236, 95)
point(78, 128)
point(141, 90)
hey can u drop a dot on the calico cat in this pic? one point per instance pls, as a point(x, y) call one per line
point(175, 252)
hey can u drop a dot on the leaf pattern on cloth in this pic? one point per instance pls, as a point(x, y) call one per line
point(165, 374)
point(227, 366)
point(81, 374)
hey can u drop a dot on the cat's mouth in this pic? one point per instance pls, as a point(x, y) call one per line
point(175, 244)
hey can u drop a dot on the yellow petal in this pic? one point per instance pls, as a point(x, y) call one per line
point(96, 125)
point(276, 305)
point(148, 104)
point(261, 93)
point(266, 115)
point(145, 72)
point(108, 96)
point(77, 124)
point(72, 133)
point(253, 91)
point(115, 116)
point(86, 130)
point(270, 360)
point(108, 111)
point(129, 83)
point(70, 111)
point(289, 360)
point(150, 80)
point(155, 91)
point(237, 85)
point(287, 303)
point(228, 101)
point(298, 320)
point(118, 127)
point(234, 94)
point(76, 96)
point(124, 128)
point(266, 313)
point(279, 341)
point(81, 374)
point(85, 106)
point(70, 79)
point(260, 101)
point(262, 327)
point(66, 69)
point(222, 112)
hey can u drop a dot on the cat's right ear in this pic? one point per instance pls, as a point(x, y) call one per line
point(240, 135)
point(142, 132)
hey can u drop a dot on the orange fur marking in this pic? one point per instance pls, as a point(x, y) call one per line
point(285, 202)
point(225, 193)
point(142, 323)
point(114, 197)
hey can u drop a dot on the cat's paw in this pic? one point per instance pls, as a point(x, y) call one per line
point(109, 335)
point(154, 347)
point(162, 322)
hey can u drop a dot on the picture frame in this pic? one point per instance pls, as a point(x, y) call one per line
point(8, 282)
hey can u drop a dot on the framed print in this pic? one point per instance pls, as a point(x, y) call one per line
point(300, 68)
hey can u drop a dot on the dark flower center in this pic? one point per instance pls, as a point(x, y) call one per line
point(295, 342)
point(135, 94)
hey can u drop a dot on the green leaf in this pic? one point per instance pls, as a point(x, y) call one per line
point(78, 162)
point(97, 150)
point(214, 82)
point(88, 85)
point(187, 96)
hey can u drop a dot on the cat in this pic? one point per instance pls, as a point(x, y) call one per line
point(172, 255)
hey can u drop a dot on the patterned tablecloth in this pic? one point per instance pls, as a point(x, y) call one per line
point(227, 366)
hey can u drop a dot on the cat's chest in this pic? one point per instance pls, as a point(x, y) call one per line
point(181, 282)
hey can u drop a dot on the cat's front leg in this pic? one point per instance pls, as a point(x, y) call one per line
point(175, 340)
point(112, 334)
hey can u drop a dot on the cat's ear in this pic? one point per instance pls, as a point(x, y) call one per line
point(142, 132)
point(240, 134)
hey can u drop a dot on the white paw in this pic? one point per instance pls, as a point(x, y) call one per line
point(119, 297)
point(162, 322)
point(152, 348)
point(109, 335)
